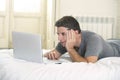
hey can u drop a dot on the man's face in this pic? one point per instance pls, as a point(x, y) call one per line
point(62, 34)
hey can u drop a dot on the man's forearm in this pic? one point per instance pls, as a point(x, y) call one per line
point(75, 56)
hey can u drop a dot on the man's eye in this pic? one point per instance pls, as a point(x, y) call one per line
point(63, 34)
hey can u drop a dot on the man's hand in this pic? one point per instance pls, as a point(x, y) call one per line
point(71, 39)
point(53, 55)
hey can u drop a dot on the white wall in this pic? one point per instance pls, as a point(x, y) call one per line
point(118, 21)
point(88, 7)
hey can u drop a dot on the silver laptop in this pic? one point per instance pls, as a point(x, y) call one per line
point(27, 46)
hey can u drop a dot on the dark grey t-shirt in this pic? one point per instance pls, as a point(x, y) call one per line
point(94, 45)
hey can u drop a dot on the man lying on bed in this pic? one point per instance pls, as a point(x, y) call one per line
point(82, 46)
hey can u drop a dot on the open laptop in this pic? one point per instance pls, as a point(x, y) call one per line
point(27, 46)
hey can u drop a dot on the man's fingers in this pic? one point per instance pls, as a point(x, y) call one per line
point(51, 55)
point(45, 55)
point(54, 56)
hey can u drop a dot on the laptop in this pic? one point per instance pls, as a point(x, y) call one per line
point(27, 46)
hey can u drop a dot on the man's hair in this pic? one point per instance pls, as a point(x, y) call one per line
point(68, 22)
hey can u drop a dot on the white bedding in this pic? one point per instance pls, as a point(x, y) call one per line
point(14, 69)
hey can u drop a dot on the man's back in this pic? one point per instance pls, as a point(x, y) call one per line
point(94, 45)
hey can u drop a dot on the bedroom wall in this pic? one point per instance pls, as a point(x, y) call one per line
point(92, 8)
point(118, 20)
point(88, 7)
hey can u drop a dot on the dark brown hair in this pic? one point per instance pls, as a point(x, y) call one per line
point(68, 22)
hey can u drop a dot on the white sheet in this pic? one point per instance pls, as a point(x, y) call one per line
point(14, 69)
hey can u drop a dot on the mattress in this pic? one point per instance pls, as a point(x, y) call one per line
point(16, 69)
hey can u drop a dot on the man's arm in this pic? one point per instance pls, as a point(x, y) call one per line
point(71, 42)
point(77, 58)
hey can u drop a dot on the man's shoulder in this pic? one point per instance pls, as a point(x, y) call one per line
point(88, 33)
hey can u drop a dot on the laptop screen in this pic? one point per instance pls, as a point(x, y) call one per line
point(27, 46)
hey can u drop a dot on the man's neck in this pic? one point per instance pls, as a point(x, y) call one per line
point(78, 41)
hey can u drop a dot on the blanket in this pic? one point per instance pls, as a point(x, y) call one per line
point(16, 69)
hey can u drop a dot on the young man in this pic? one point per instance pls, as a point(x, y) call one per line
point(82, 46)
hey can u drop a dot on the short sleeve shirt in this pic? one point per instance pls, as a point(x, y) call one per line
point(93, 44)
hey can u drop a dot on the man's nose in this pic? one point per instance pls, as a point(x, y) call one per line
point(60, 37)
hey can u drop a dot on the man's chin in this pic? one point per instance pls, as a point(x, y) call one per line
point(63, 44)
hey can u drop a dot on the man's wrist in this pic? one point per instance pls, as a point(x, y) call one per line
point(71, 50)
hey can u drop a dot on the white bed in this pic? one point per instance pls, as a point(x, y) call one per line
point(15, 69)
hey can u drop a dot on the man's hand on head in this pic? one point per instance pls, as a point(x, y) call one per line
point(71, 39)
